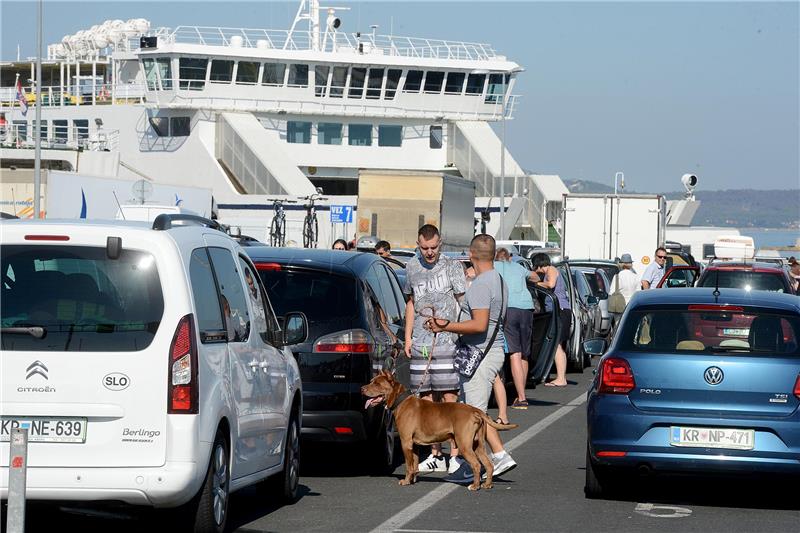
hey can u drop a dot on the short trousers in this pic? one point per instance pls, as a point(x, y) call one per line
point(478, 388)
point(565, 316)
point(442, 375)
point(518, 329)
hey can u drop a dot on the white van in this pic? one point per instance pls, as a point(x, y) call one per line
point(148, 212)
point(147, 365)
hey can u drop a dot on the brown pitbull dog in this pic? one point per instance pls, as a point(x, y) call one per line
point(424, 422)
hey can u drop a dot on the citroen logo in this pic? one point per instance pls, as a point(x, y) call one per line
point(713, 375)
point(37, 367)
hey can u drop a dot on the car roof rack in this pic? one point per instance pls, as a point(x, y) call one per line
point(164, 221)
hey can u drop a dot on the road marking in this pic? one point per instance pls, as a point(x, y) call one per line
point(436, 495)
point(662, 511)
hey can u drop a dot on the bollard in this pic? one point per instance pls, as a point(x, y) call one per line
point(17, 472)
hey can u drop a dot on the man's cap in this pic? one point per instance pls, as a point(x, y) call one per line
point(626, 258)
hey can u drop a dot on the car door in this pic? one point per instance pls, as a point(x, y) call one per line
point(546, 331)
point(246, 358)
point(273, 386)
point(679, 276)
point(383, 323)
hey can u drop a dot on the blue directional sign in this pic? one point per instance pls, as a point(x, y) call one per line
point(342, 214)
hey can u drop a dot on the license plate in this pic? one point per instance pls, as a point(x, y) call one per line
point(734, 439)
point(41, 429)
point(736, 332)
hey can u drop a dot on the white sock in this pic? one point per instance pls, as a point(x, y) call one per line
point(499, 455)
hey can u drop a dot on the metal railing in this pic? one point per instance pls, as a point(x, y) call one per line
point(366, 43)
point(60, 138)
point(59, 96)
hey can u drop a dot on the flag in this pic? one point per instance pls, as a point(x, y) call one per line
point(23, 103)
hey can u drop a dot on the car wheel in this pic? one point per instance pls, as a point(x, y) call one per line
point(284, 485)
point(383, 445)
point(598, 482)
point(210, 507)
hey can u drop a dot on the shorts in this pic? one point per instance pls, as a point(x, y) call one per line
point(442, 375)
point(518, 329)
point(565, 316)
point(478, 388)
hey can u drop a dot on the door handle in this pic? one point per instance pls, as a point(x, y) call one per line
point(263, 365)
point(253, 365)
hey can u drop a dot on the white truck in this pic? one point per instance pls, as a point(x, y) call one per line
point(392, 205)
point(605, 226)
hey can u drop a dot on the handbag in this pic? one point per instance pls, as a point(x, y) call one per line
point(616, 302)
point(468, 357)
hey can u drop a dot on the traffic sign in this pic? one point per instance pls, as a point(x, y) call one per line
point(342, 214)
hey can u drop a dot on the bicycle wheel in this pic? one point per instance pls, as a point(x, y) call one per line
point(307, 232)
point(314, 232)
point(273, 232)
point(282, 231)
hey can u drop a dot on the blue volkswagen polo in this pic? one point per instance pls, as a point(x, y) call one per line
point(698, 381)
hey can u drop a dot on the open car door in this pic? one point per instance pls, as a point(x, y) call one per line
point(679, 276)
point(546, 332)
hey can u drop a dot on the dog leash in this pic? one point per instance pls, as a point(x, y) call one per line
point(429, 356)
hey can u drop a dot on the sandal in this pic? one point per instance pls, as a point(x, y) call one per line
point(520, 404)
point(500, 420)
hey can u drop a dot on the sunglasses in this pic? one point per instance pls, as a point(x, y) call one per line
point(661, 256)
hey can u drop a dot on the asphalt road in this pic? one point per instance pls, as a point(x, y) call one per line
point(544, 493)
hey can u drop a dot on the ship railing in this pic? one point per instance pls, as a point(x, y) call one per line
point(365, 43)
point(59, 96)
point(59, 137)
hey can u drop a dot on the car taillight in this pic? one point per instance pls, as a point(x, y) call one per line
point(349, 341)
point(616, 376)
point(797, 387)
point(182, 372)
point(269, 267)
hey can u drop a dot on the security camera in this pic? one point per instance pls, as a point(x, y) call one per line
point(334, 22)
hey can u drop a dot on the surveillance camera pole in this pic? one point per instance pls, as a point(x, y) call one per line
point(621, 177)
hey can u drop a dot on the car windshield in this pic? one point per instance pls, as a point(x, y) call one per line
point(741, 279)
point(321, 296)
point(74, 298)
point(711, 329)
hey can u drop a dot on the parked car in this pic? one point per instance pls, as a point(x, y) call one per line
point(599, 286)
point(355, 310)
point(611, 268)
point(673, 395)
point(748, 275)
point(586, 317)
point(147, 364)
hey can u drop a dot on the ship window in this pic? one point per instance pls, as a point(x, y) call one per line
point(357, 76)
point(165, 72)
point(475, 83)
point(21, 130)
point(192, 72)
point(433, 82)
point(247, 73)
point(374, 83)
point(81, 128)
point(150, 75)
point(413, 81)
point(390, 135)
point(392, 81)
point(455, 83)
point(273, 74)
point(338, 81)
point(179, 126)
point(359, 134)
point(329, 133)
point(495, 88)
point(60, 131)
point(298, 132)
point(221, 71)
point(321, 79)
point(298, 75)
point(436, 137)
point(160, 126)
point(42, 131)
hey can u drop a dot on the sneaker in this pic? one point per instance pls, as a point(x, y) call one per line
point(502, 465)
point(463, 474)
point(455, 462)
point(434, 463)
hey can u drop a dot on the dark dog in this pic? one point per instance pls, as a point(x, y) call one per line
point(425, 422)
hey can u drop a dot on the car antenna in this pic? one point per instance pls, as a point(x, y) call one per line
point(716, 286)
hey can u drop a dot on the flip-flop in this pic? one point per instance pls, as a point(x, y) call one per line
point(551, 384)
point(500, 420)
point(519, 404)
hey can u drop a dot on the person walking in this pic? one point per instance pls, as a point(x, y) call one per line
point(655, 270)
point(550, 278)
point(434, 284)
point(518, 326)
point(485, 306)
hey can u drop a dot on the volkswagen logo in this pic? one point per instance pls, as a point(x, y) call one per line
point(36, 368)
point(713, 375)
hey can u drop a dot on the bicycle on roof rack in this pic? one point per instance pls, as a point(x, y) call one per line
point(277, 229)
point(310, 225)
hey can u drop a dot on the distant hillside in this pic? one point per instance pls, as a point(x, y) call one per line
point(740, 208)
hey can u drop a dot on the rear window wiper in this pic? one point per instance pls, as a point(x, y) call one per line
point(34, 331)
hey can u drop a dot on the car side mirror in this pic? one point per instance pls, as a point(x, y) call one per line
point(295, 328)
point(594, 346)
point(592, 300)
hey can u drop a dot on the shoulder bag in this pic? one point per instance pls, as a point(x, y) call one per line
point(616, 302)
point(468, 357)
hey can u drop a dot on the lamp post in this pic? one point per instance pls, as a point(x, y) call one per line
point(621, 177)
point(503, 161)
point(37, 164)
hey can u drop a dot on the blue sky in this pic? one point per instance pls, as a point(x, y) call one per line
point(649, 88)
